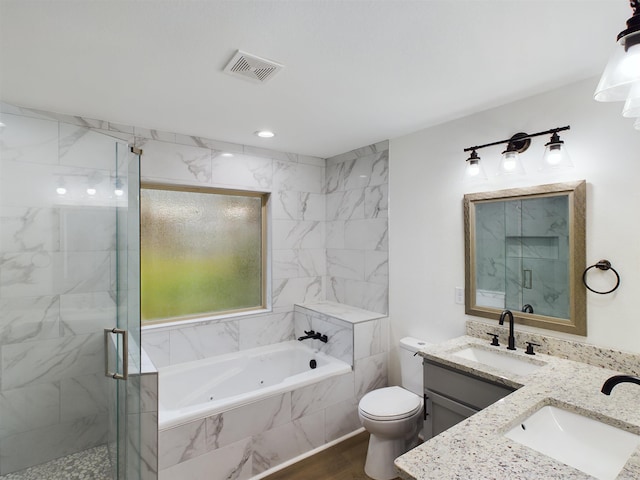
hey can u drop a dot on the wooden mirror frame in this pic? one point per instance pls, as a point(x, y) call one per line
point(576, 193)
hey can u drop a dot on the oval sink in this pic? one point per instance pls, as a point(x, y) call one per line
point(502, 361)
point(583, 443)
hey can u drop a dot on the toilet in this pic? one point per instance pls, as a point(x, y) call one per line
point(394, 415)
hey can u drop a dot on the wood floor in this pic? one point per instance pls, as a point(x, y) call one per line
point(344, 461)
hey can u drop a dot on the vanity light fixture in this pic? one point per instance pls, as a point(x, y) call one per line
point(555, 156)
point(620, 81)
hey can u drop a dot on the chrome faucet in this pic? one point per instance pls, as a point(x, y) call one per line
point(512, 339)
point(314, 336)
point(615, 380)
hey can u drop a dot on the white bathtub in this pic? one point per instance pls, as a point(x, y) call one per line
point(198, 389)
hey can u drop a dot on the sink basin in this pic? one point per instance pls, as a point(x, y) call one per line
point(590, 446)
point(506, 362)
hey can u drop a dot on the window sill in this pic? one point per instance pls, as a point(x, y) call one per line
point(169, 325)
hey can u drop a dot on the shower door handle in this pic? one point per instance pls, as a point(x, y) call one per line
point(125, 353)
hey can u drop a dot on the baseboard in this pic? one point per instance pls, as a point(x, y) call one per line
point(307, 454)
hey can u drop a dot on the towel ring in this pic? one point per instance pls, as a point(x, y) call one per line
point(601, 265)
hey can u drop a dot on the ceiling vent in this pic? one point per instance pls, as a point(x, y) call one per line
point(253, 68)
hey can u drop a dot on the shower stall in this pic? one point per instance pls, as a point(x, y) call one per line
point(69, 300)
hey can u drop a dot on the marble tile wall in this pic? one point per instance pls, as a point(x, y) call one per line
point(250, 439)
point(57, 277)
point(297, 237)
point(357, 261)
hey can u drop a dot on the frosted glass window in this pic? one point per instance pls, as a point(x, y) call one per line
point(202, 252)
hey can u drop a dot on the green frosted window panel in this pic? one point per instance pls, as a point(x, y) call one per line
point(201, 253)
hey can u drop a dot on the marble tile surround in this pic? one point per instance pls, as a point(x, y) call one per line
point(301, 235)
point(250, 439)
point(356, 189)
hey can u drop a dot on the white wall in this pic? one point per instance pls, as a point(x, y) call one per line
point(426, 243)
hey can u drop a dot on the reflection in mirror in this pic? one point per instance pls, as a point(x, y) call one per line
point(525, 252)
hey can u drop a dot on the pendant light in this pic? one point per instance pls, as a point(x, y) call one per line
point(621, 78)
point(555, 154)
point(474, 169)
point(511, 164)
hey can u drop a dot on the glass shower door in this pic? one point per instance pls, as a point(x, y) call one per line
point(122, 343)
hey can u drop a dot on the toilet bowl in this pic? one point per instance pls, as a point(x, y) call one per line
point(394, 415)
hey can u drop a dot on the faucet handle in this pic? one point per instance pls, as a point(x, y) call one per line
point(530, 346)
point(494, 340)
point(310, 332)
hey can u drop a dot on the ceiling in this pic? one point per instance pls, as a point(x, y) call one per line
point(356, 72)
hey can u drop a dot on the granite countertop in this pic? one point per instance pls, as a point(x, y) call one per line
point(477, 449)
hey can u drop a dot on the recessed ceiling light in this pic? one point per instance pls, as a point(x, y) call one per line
point(265, 134)
point(226, 154)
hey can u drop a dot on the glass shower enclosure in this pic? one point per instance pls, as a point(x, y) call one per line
point(69, 270)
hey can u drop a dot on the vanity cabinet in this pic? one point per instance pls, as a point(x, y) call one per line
point(452, 395)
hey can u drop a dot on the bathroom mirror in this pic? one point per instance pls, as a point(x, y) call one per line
point(525, 251)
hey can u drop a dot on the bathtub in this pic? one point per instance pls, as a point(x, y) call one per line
point(192, 390)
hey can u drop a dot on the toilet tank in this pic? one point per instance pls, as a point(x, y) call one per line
point(411, 364)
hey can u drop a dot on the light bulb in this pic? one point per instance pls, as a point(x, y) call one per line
point(474, 169)
point(554, 157)
point(265, 134)
point(555, 154)
point(91, 191)
point(119, 192)
point(61, 190)
point(510, 161)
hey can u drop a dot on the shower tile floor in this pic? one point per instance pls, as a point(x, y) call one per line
point(92, 464)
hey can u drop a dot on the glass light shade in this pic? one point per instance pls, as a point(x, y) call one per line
point(556, 156)
point(622, 71)
point(632, 105)
point(474, 170)
point(511, 163)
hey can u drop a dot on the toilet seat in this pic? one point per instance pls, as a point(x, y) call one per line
point(389, 403)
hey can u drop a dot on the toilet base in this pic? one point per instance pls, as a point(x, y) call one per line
point(382, 452)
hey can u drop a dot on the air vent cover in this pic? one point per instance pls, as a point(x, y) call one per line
point(251, 67)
